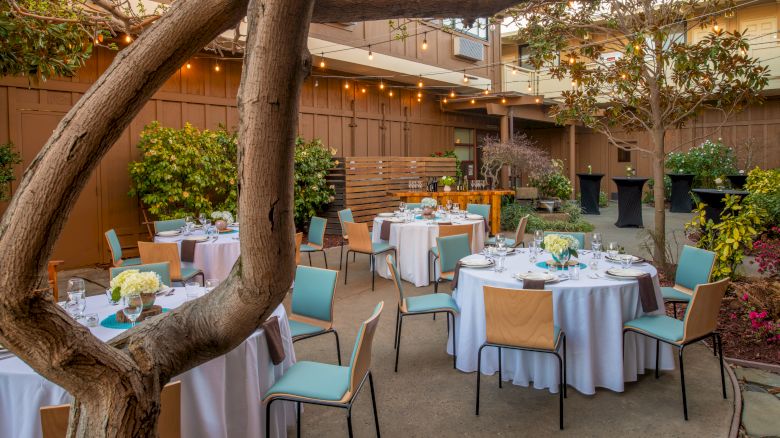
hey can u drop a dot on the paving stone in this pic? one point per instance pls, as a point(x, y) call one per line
point(753, 388)
point(760, 414)
point(760, 377)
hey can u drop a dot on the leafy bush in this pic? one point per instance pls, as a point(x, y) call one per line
point(764, 188)
point(313, 161)
point(740, 224)
point(709, 160)
point(511, 214)
point(185, 171)
point(648, 197)
point(7, 160)
point(552, 184)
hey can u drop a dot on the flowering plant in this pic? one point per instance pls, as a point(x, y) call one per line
point(760, 307)
point(428, 202)
point(132, 282)
point(447, 180)
point(706, 161)
point(718, 181)
point(224, 215)
point(767, 253)
point(559, 243)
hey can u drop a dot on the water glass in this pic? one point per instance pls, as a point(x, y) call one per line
point(202, 218)
point(110, 295)
point(212, 232)
point(596, 239)
point(501, 250)
point(77, 304)
point(594, 263)
point(613, 249)
point(538, 237)
point(133, 306)
point(211, 283)
point(91, 320)
point(625, 261)
point(596, 247)
point(402, 207)
point(552, 268)
point(574, 272)
point(191, 290)
point(534, 250)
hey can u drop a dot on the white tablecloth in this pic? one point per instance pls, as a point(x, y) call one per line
point(220, 398)
point(214, 258)
point(590, 311)
point(414, 240)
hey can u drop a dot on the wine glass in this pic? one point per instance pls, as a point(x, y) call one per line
point(534, 247)
point(612, 249)
point(501, 251)
point(402, 206)
point(202, 218)
point(76, 304)
point(133, 305)
point(538, 237)
point(625, 261)
point(211, 283)
point(596, 238)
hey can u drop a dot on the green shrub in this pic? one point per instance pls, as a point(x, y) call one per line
point(709, 160)
point(553, 184)
point(7, 160)
point(313, 161)
point(511, 214)
point(185, 171)
point(764, 188)
point(648, 197)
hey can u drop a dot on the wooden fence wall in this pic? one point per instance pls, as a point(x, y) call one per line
point(363, 183)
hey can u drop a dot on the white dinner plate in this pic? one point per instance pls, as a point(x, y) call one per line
point(385, 214)
point(476, 261)
point(474, 216)
point(547, 277)
point(197, 238)
point(170, 233)
point(620, 257)
point(625, 273)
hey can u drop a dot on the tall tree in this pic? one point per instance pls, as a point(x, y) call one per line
point(117, 385)
point(632, 70)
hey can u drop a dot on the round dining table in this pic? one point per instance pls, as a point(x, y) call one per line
point(414, 240)
point(215, 257)
point(590, 311)
point(220, 398)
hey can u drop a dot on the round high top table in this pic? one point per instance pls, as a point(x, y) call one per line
point(629, 201)
point(590, 187)
point(737, 181)
point(214, 257)
point(219, 398)
point(590, 311)
point(681, 201)
point(715, 200)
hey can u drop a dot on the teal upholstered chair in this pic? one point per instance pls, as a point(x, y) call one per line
point(700, 322)
point(413, 205)
point(116, 251)
point(169, 225)
point(360, 242)
point(519, 235)
point(316, 238)
point(451, 249)
point(480, 209)
point(326, 384)
point(420, 305)
point(344, 216)
point(694, 268)
point(580, 237)
point(161, 269)
point(520, 319)
point(312, 304)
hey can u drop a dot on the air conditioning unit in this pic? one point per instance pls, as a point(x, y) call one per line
point(468, 49)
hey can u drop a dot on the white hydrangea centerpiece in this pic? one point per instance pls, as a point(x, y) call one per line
point(134, 282)
point(223, 215)
point(557, 244)
point(428, 202)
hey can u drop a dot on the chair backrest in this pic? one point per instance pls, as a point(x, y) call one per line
point(399, 288)
point(519, 317)
point(452, 249)
point(694, 268)
point(579, 236)
point(172, 224)
point(298, 242)
point(413, 205)
point(345, 216)
point(54, 419)
point(359, 237)
point(52, 273)
point(453, 230)
point(152, 252)
point(701, 317)
point(361, 352)
point(114, 246)
point(480, 209)
point(161, 269)
point(316, 236)
point(520, 232)
point(313, 292)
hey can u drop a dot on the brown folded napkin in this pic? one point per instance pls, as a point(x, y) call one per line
point(188, 250)
point(273, 336)
point(384, 232)
point(445, 223)
point(533, 284)
point(647, 293)
point(454, 283)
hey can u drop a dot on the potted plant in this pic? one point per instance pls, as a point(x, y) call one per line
point(447, 182)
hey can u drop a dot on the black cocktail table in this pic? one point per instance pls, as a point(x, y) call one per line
point(590, 187)
point(737, 181)
point(629, 201)
point(681, 201)
point(715, 201)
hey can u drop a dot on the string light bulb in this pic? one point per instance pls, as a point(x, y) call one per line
point(420, 82)
point(381, 85)
point(346, 85)
point(473, 101)
point(487, 91)
point(188, 65)
point(370, 53)
point(425, 41)
point(444, 100)
point(503, 100)
point(716, 27)
point(217, 67)
point(419, 99)
point(363, 90)
point(322, 60)
point(465, 78)
point(622, 76)
point(537, 100)
point(419, 94)
point(128, 39)
point(571, 59)
point(452, 94)
point(514, 71)
point(390, 93)
point(529, 87)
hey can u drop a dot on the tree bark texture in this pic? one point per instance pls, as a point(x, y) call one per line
point(659, 200)
point(117, 385)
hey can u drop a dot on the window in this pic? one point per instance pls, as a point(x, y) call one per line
point(523, 55)
point(479, 29)
point(624, 156)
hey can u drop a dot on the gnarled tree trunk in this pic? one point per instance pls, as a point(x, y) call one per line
point(117, 385)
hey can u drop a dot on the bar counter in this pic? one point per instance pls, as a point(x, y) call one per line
point(492, 197)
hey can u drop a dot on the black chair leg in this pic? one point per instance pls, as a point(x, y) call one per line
point(479, 373)
point(720, 356)
point(372, 263)
point(341, 255)
point(454, 344)
point(395, 338)
point(714, 347)
point(565, 385)
point(268, 418)
point(349, 421)
point(682, 384)
point(657, 352)
point(325, 256)
point(298, 419)
point(373, 403)
point(398, 341)
point(560, 392)
point(500, 377)
point(346, 268)
point(338, 346)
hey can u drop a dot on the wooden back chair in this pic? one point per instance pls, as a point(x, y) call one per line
point(52, 271)
point(298, 242)
point(359, 237)
point(701, 317)
point(519, 317)
point(360, 363)
point(520, 232)
point(54, 419)
point(452, 230)
point(152, 252)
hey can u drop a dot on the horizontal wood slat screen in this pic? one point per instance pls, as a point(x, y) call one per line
point(362, 183)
